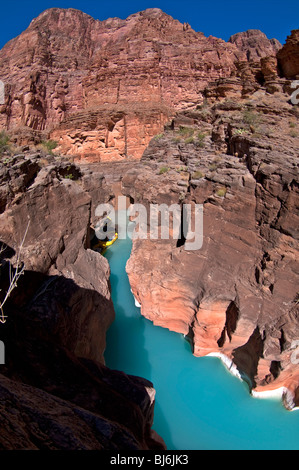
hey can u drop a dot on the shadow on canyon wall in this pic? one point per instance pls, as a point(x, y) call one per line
point(44, 348)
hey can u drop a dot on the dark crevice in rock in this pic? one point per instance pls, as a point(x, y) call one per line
point(69, 171)
point(222, 338)
point(282, 341)
point(266, 258)
point(257, 275)
point(190, 336)
point(182, 240)
point(232, 316)
point(247, 357)
point(275, 368)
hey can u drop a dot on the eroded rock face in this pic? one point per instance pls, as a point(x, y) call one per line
point(288, 56)
point(104, 89)
point(55, 390)
point(112, 133)
point(255, 44)
point(237, 295)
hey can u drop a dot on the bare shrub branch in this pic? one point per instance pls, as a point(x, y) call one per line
point(14, 275)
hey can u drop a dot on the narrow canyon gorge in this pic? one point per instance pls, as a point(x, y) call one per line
point(149, 109)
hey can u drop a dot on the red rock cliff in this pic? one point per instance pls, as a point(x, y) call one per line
point(236, 295)
point(255, 44)
point(104, 89)
point(288, 56)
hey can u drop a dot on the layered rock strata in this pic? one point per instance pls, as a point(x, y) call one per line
point(237, 296)
point(102, 90)
point(55, 390)
point(255, 44)
point(288, 56)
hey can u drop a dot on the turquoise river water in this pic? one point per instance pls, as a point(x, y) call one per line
point(200, 405)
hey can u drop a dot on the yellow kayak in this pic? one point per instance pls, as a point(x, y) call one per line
point(110, 242)
point(105, 244)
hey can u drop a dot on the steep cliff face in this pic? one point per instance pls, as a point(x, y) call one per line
point(104, 89)
point(288, 56)
point(55, 390)
point(255, 44)
point(237, 295)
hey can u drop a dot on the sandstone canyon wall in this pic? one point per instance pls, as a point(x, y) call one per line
point(55, 391)
point(255, 44)
point(226, 136)
point(102, 90)
point(288, 56)
point(237, 296)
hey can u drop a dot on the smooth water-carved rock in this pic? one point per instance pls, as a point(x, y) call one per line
point(237, 294)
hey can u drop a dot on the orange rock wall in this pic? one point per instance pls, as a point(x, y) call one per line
point(67, 66)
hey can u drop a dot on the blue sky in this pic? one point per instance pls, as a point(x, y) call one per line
point(220, 18)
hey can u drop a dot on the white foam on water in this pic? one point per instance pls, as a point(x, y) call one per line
point(228, 363)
